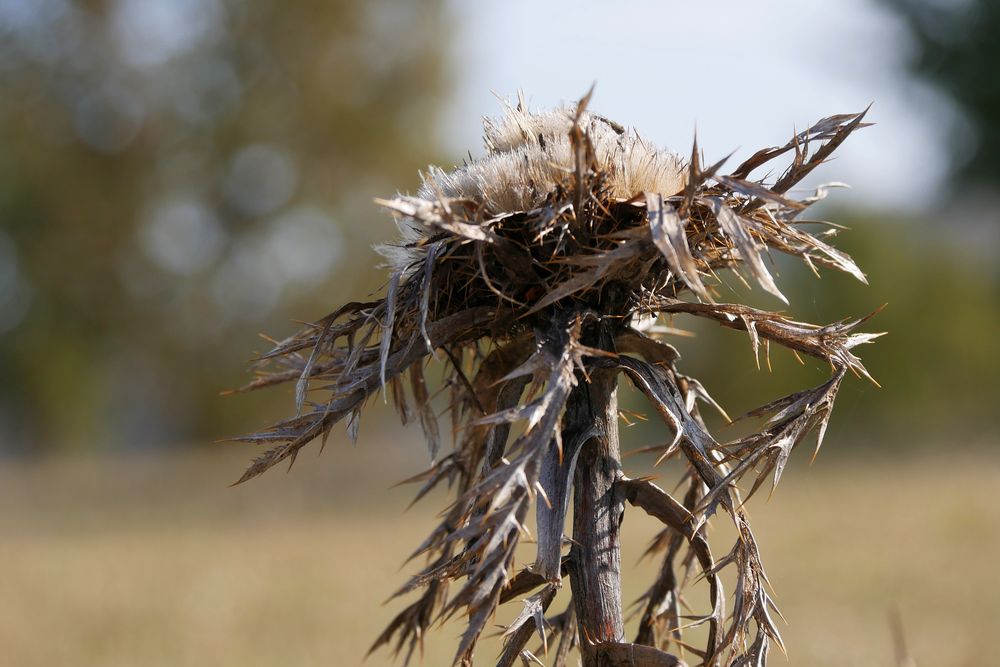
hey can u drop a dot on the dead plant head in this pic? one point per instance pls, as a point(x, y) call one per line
point(535, 277)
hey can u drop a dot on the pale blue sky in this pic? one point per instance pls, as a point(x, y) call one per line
point(745, 73)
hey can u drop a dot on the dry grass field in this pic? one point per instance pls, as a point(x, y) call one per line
point(155, 562)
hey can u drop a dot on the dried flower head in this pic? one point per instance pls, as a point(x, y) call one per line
point(535, 276)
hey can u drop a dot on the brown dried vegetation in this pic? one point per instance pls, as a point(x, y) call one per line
point(534, 313)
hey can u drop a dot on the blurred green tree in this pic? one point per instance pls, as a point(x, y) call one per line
point(955, 48)
point(171, 172)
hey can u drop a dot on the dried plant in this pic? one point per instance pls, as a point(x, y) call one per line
point(535, 278)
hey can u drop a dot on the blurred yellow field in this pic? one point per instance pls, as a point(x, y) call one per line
point(156, 562)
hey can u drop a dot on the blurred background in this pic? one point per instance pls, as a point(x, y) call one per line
point(179, 176)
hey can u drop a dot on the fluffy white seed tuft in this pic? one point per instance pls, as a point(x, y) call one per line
point(528, 155)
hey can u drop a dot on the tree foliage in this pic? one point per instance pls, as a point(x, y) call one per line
point(955, 49)
point(173, 174)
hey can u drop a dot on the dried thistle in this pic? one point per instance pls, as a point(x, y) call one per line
point(535, 277)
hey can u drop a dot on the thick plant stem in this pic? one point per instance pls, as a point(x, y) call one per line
point(595, 563)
